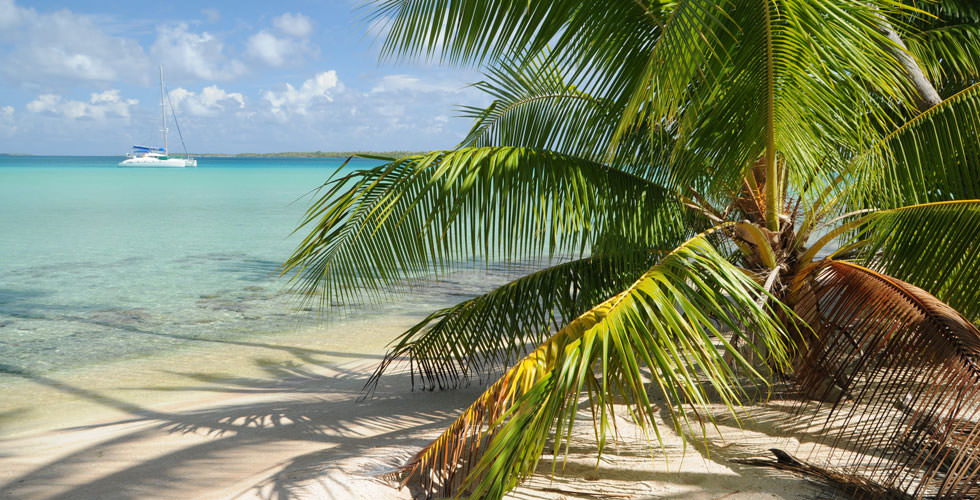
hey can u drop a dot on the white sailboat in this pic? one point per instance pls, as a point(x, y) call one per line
point(144, 156)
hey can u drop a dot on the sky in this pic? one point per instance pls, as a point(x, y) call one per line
point(81, 77)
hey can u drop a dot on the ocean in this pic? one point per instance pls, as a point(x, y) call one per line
point(99, 262)
point(106, 271)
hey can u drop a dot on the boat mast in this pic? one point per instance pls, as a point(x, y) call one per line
point(163, 113)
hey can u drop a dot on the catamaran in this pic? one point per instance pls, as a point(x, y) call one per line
point(144, 156)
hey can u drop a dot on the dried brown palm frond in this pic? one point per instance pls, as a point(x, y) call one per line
point(900, 369)
point(840, 479)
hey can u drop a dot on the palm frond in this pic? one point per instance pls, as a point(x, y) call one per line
point(770, 79)
point(686, 61)
point(934, 246)
point(416, 216)
point(536, 107)
point(480, 32)
point(459, 32)
point(484, 333)
point(966, 10)
point(900, 371)
point(666, 323)
point(948, 52)
point(933, 157)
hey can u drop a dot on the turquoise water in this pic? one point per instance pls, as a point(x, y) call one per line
point(99, 263)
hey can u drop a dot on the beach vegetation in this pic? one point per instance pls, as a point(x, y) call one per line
point(727, 193)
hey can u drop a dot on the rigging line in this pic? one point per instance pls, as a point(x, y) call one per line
point(177, 124)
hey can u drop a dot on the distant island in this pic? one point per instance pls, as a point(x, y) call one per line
point(289, 154)
point(313, 154)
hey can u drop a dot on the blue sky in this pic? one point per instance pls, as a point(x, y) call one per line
point(81, 78)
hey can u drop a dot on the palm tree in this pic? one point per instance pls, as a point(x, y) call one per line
point(727, 191)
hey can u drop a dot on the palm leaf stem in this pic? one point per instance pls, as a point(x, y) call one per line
point(812, 252)
point(772, 168)
point(760, 241)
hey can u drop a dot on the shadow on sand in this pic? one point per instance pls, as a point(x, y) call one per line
point(302, 431)
point(290, 412)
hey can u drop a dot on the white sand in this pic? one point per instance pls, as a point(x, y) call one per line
point(299, 431)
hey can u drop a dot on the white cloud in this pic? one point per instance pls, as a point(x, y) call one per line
point(270, 49)
point(99, 106)
point(43, 103)
point(401, 83)
point(7, 125)
point(10, 14)
point(413, 108)
point(209, 102)
point(278, 50)
point(299, 101)
point(199, 55)
point(296, 25)
point(211, 14)
point(394, 112)
point(63, 46)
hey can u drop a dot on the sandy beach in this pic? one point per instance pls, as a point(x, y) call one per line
point(293, 426)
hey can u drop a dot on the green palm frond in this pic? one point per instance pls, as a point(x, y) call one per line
point(686, 60)
point(484, 333)
point(665, 324)
point(944, 11)
point(769, 79)
point(933, 157)
point(826, 56)
point(535, 106)
point(964, 9)
point(933, 246)
point(480, 32)
point(459, 32)
point(949, 52)
point(412, 217)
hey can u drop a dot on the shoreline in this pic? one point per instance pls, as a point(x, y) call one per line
point(42, 402)
point(288, 423)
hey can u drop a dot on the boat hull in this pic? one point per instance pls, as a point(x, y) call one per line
point(159, 163)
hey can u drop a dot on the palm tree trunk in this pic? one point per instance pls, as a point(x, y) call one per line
point(927, 95)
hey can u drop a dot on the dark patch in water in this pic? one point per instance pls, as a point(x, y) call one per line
point(12, 370)
point(253, 269)
point(211, 257)
point(132, 316)
point(10, 295)
point(230, 306)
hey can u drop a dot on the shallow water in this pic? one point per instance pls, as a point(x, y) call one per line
point(102, 265)
point(99, 263)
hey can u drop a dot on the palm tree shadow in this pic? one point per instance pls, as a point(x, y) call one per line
point(822, 435)
point(807, 429)
point(304, 410)
point(634, 467)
